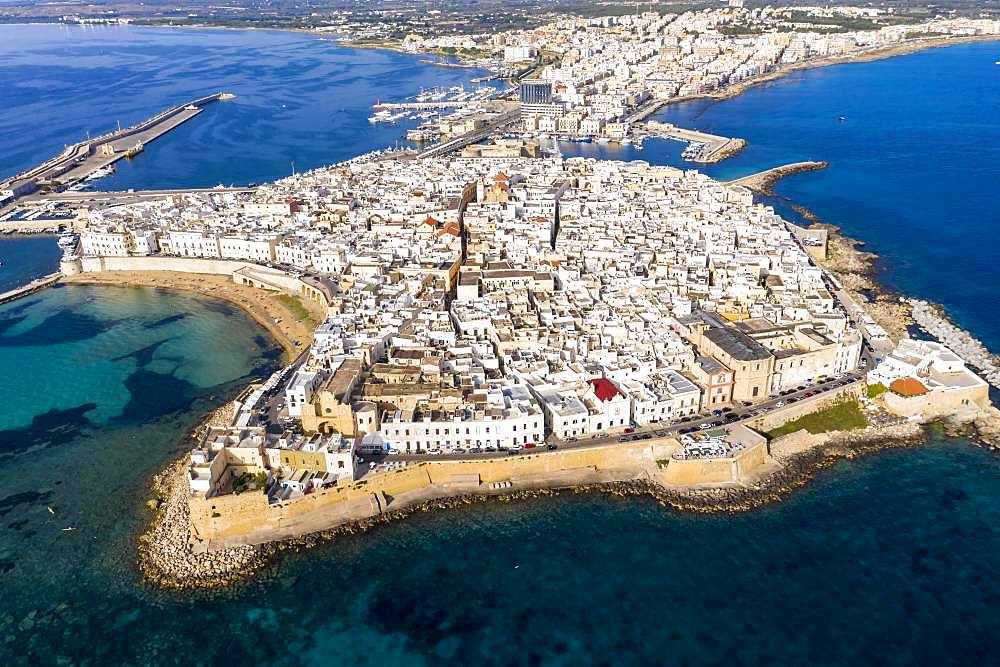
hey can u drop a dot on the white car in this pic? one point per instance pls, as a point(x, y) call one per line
point(779, 404)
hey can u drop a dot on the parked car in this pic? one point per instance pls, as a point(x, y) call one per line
point(551, 446)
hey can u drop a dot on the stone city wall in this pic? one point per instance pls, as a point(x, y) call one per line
point(249, 518)
point(180, 264)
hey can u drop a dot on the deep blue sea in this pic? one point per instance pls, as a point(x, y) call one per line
point(302, 99)
point(890, 559)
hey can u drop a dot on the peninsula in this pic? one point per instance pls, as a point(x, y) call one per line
point(487, 319)
point(497, 326)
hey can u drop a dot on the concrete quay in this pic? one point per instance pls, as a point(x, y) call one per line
point(443, 104)
point(82, 159)
point(714, 147)
point(113, 198)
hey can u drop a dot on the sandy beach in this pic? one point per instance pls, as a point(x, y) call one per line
point(270, 311)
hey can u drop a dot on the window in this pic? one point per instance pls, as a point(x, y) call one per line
point(756, 390)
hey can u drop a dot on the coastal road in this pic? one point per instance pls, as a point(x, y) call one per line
point(744, 415)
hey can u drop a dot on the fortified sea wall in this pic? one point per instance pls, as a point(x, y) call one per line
point(692, 472)
point(179, 264)
point(248, 518)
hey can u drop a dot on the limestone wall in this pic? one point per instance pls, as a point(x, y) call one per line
point(248, 517)
point(157, 263)
point(715, 471)
point(937, 403)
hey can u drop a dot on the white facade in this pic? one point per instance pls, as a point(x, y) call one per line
point(193, 244)
point(105, 244)
point(402, 432)
point(254, 250)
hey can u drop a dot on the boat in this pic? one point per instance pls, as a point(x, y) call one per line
point(135, 150)
point(842, 118)
point(67, 241)
point(603, 140)
point(190, 107)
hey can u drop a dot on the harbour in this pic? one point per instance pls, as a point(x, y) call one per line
point(702, 146)
point(96, 156)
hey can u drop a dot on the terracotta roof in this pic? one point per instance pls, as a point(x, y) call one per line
point(908, 387)
point(501, 177)
point(430, 221)
point(604, 388)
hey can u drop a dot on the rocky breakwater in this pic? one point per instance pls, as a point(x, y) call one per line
point(763, 182)
point(932, 319)
point(165, 555)
point(730, 148)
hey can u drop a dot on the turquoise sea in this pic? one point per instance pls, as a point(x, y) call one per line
point(890, 559)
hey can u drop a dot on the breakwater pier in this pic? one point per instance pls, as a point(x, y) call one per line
point(30, 288)
point(762, 181)
point(80, 160)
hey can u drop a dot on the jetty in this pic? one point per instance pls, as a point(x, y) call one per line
point(762, 181)
point(30, 288)
point(81, 160)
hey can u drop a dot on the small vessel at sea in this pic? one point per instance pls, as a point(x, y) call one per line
point(100, 173)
